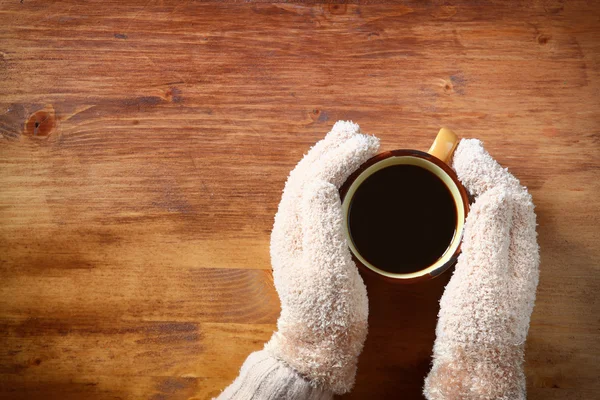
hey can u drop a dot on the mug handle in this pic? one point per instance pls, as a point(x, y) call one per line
point(444, 144)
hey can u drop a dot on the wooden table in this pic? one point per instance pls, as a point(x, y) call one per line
point(144, 146)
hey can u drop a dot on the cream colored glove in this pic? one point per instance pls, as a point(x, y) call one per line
point(324, 308)
point(485, 310)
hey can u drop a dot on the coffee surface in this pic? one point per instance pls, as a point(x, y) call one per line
point(402, 219)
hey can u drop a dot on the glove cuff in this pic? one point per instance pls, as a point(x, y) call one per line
point(263, 377)
point(475, 372)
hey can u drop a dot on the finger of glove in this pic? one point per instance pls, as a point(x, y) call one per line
point(336, 165)
point(477, 170)
point(339, 293)
point(341, 131)
point(286, 237)
point(474, 299)
point(487, 231)
point(523, 263)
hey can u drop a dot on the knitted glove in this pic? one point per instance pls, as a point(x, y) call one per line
point(324, 308)
point(485, 310)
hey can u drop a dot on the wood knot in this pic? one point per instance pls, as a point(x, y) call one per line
point(445, 12)
point(319, 115)
point(543, 39)
point(446, 85)
point(554, 6)
point(41, 123)
point(456, 84)
point(173, 95)
point(338, 9)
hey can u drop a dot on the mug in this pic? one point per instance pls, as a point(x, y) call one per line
point(435, 161)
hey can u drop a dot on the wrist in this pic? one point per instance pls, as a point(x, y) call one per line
point(327, 360)
point(264, 377)
point(474, 372)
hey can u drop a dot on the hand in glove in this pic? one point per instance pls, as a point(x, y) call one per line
point(486, 306)
point(324, 308)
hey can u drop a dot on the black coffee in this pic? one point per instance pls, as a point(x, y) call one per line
point(402, 218)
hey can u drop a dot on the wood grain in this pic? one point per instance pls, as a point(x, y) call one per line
point(144, 146)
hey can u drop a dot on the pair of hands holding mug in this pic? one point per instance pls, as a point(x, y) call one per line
point(485, 310)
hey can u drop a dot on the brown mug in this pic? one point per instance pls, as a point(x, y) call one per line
point(434, 161)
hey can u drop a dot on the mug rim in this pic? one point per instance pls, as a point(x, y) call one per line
point(448, 171)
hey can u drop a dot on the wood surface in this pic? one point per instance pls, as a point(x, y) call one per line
point(144, 146)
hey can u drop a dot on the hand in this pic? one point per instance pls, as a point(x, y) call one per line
point(324, 308)
point(486, 307)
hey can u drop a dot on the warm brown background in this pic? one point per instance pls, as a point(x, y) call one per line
point(144, 146)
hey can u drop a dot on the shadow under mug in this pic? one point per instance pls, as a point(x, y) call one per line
point(434, 161)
